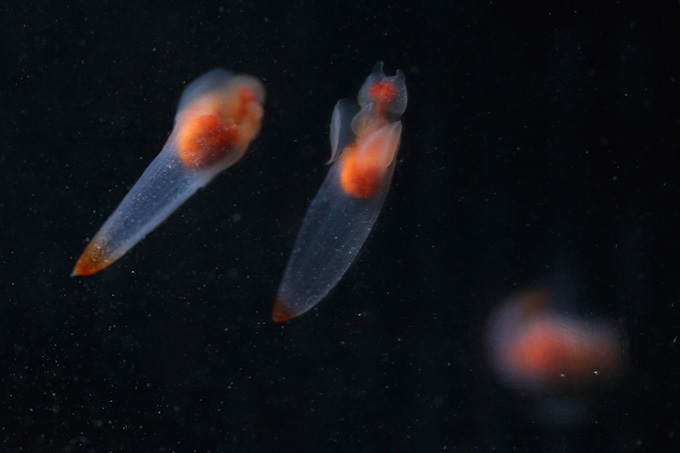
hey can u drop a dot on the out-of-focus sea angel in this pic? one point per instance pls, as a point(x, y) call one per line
point(364, 144)
point(535, 348)
point(219, 114)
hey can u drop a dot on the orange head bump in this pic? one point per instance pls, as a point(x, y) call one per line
point(383, 93)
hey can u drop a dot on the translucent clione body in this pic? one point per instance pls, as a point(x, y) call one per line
point(364, 143)
point(536, 348)
point(219, 114)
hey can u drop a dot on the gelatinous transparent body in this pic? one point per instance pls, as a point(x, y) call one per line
point(218, 116)
point(342, 214)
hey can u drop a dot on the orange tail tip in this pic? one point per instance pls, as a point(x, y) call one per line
point(281, 312)
point(93, 259)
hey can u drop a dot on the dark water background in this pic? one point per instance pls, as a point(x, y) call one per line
point(539, 143)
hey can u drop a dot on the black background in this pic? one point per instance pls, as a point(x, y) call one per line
point(539, 145)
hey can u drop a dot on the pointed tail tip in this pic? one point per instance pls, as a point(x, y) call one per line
point(89, 264)
point(281, 312)
point(83, 268)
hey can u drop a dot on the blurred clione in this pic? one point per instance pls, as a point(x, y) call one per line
point(555, 357)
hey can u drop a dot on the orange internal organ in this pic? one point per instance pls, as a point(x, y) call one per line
point(205, 139)
point(362, 174)
point(217, 124)
point(549, 350)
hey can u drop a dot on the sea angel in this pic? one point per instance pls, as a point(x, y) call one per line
point(338, 221)
point(218, 116)
point(535, 348)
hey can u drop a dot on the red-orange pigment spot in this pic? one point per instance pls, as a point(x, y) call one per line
point(383, 92)
point(362, 175)
point(542, 353)
point(93, 259)
point(246, 95)
point(205, 139)
point(281, 313)
point(551, 350)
